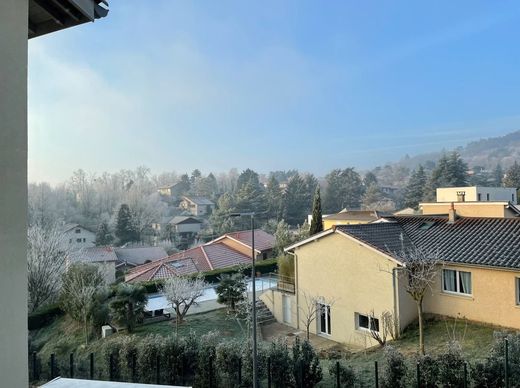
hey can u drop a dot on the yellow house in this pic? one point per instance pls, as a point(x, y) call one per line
point(353, 276)
point(352, 217)
point(498, 209)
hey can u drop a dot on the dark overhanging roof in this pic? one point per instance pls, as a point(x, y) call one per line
point(46, 16)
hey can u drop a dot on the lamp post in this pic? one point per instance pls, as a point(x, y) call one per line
point(253, 284)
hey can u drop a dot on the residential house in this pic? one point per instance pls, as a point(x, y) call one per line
point(77, 236)
point(103, 257)
point(355, 274)
point(130, 257)
point(226, 251)
point(185, 225)
point(474, 201)
point(352, 217)
point(197, 206)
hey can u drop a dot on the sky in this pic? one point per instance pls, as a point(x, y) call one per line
point(270, 85)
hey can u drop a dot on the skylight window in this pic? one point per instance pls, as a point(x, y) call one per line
point(426, 225)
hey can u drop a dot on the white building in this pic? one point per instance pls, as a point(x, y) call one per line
point(197, 206)
point(477, 194)
point(78, 236)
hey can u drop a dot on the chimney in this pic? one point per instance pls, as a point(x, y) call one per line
point(452, 215)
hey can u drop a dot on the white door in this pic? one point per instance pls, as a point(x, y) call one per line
point(286, 306)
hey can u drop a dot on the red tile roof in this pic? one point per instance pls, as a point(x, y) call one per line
point(212, 255)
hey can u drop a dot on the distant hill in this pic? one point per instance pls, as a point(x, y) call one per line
point(486, 153)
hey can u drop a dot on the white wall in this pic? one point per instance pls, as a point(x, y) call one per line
point(71, 237)
point(13, 193)
point(449, 194)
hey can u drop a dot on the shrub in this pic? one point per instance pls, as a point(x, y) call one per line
point(429, 370)
point(451, 366)
point(206, 356)
point(306, 364)
point(395, 370)
point(228, 356)
point(44, 316)
point(281, 364)
point(148, 349)
point(127, 354)
point(173, 358)
point(347, 377)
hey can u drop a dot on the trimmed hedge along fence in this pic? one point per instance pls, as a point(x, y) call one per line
point(204, 363)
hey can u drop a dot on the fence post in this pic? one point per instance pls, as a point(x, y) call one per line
point(35, 367)
point(376, 374)
point(338, 380)
point(465, 374)
point(71, 365)
point(158, 371)
point(111, 367)
point(183, 361)
point(300, 372)
point(239, 371)
point(53, 362)
point(506, 364)
point(210, 369)
point(269, 372)
point(134, 363)
point(418, 376)
point(91, 366)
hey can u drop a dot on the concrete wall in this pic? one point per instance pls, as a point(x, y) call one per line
point(273, 299)
point(355, 278)
point(449, 194)
point(469, 209)
point(13, 193)
point(493, 298)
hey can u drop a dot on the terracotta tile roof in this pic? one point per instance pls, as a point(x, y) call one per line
point(263, 240)
point(212, 255)
point(493, 242)
point(139, 255)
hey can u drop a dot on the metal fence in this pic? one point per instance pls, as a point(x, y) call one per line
point(94, 367)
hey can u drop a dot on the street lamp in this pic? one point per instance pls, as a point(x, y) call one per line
point(253, 283)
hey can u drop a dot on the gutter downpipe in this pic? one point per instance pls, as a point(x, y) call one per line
point(296, 289)
point(397, 326)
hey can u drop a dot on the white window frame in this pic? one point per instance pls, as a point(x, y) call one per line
point(328, 322)
point(457, 282)
point(517, 291)
point(369, 318)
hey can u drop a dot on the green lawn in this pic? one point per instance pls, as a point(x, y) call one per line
point(475, 340)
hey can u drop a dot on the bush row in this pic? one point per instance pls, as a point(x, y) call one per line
point(44, 316)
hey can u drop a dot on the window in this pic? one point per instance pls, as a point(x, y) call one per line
point(517, 287)
point(458, 282)
point(365, 322)
point(324, 323)
point(487, 197)
point(513, 198)
point(479, 197)
point(78, 230)
point(70, 241)
point(84, 240)
point(78, 240)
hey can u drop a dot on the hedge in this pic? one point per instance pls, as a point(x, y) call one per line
point(44, 316)
point(262, 267)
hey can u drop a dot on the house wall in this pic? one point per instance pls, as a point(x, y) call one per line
point(13, 193)
point(449, 194)
point(356, 278)
point(245, 250)
point(187, 228)
point(493, 298)
point(466, 209)
point(327, 224)
point(71, 237)
point(273, 300)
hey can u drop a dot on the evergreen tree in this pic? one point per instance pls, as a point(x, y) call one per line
point(512, 177)
point(125, 227)
point(103, 235)
point(310, 187)
point(372, 197)
point(248, 177)
point(451, 171)
point(231, 290)
point(415, 189)
point(317, 220)
point(294, 199)
point(369, 179)
point(344, 190)
point(498, 175)
point(273, 198)
point(220, 219)
point(128, 305)
point(283, 237)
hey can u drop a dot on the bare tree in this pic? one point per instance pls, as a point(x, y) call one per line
point(46, 254)
point(420, 270)
point(385, 329)
point(312, 308)
point(182, 293)
point(81, 283)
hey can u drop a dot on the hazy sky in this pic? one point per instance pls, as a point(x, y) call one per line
point(312, 85)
